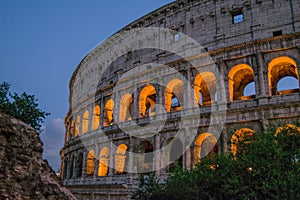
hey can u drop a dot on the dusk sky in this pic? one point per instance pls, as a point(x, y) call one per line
point(42, 42)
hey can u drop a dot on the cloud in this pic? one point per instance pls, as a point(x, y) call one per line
point(53, 139)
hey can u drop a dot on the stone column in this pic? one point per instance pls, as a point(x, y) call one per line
point(262, 88)
point(157, 156)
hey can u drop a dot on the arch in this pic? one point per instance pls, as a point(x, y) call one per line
point(176, 154)
point(205, 145)
point(289, 129)
point(65, 168)
point(147, 101)
point(108, 113)
point(174, 96)
point(279, 68)
point(145, 162)
point(239, 136)
point(85, 122)
point(90, 163)
point(205, 85)
point(71, 129)
point(77, 126)
point(96, 117)
point(71, 169)
point(120, 158)
point(126, 108)
point(78, 165)
point(103, 162)
point(239, 77)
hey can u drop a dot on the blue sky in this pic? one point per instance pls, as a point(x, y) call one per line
point(42, 42)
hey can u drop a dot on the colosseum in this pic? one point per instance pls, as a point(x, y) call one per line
point(176, 85)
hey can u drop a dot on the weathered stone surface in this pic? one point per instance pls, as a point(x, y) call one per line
point(23, 172)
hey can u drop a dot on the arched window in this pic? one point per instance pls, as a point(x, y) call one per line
point(120, 158)
point(147, 101)
point(126, 108)
point(71, 129)
point(241, 135)
point(280, 68)
point(103, 162)
point(108, 113)
point(78, 166)
point(240, 78)
point(85, 122)
point(205, 145)
point(174, 95)
point(71, 167)
point(205, 85)
point(96, 118)
point(77, 126)
point(90, 163)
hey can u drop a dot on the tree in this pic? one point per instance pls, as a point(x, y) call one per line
point(266, 167)
point(23, 107)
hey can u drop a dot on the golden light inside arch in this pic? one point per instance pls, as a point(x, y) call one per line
point(205, 144)
point(96, 117)
point(205, 88)
point(103, 162)
point(108, 112)
point(85, 122)
point(239, 136)
point(174, 87)
point(77, 126)
point(120, 158)
point(125, 108)
point(147, 101)
point(279, 68)
point(90, 163)
point(290, 128)
point(238, 78)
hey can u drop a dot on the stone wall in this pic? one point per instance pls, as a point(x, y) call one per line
point(23, 172)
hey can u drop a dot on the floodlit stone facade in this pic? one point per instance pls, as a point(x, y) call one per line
point(254, 45)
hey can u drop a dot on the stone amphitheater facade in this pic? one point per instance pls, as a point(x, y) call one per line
point(118, 105)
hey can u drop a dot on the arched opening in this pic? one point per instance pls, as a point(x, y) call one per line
point(108, 113)
point(90, 163)
point(71, 167)
point(280, 68)
point(240, 136)
point(103, 162)
point(205, 85)
point(174, 95)
point(71, 129)
point(205, 145)
point(85, 122)
point(147, 161)
point(77, 126)
point(126, 108)
point(120, 158)
point(65, 168)
point(240, 78)
point(176, 154)
point(78, 166)
point(147, 103)
point(96, 118)
point(287, 85)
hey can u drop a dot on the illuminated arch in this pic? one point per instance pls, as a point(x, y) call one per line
point(108, 113)
point(90, 163)
point(238, 78)
point(120, 158)
point(126, 108)
point(103, 162)
point(71, 129)
point(77, 126)
point(290, 129)
point(147, 101)
point(78, 165)
point(85, 122)
point(239, 136)
point(96, 118)
point(279, 68)
point(205, 145)
point(205, 88)
point(174, 95)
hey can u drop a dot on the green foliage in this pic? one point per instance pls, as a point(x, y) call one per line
point(23, 107)
point(267, 168)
